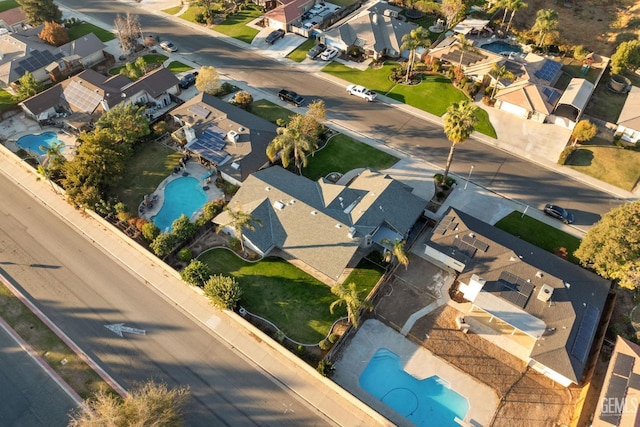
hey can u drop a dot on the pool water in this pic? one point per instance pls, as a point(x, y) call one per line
point(500, 47)
point(183, 195)
point(427, 402)
point(33, 142)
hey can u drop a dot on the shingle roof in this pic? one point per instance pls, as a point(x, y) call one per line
point(312, 220)
point(574, 288)
point(154, 83)
point(630, 114)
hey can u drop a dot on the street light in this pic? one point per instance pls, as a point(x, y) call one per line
point(469, 177)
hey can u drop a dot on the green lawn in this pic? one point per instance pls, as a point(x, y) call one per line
point(150, 164)
point(605, 104)
point(300, 53)
point(178, 67)
point(236, 25)
point(612, 164)
point(172, 10)
point(433, 95)
point(83, 29)
point(539, 234)
point(8, 4)
point(278, 291)
point(151, 59)
point(270, 111)
point(343, 154)
point(6, 100)
point(365, 276)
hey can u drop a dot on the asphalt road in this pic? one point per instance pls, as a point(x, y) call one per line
point(494, 169)
point(81, 289)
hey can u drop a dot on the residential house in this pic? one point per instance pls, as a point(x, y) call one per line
point(620, 394)
point(288, 13)
point(532, 303)
point(24, 51)
point(322, 224)
point(12, 20)
point(629, 119)
point(89, 94)
point(376, 30)
point(232, 139)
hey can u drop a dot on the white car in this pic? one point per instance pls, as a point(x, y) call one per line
point(362, 92)
point(329, 54)
point(168, 46)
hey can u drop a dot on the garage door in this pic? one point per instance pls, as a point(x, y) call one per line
point(514, 109)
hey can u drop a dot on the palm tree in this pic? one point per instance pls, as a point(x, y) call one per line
point(497, 73)
point(464, 46)
point(350, 297)
point(546, 21)
point(240, 220)
point(514, 6)
point(292, 142)
point(411, 41)
point(459, 122)
point(51, 163)
point(397, 251)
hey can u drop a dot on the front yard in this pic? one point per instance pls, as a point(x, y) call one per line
point(85, 28)
point(234, 26)
point(609, 163)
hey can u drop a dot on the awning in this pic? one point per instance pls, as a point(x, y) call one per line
point(510, 314)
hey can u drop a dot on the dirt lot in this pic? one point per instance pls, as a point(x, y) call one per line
point(599, 25)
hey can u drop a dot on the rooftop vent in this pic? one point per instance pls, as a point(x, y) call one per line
point(267, 188)
point(513, 258)
point(545, 293)
point(278, 205)
point(232, 136)
point(314, 212)
point(235, 166)
point(338, 225)
point(352, 232)
point(539, 274)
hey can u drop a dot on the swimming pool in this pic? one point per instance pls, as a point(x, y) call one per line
point(427, 402)
point(183, 195)
point(501, 47)
point(33, 142)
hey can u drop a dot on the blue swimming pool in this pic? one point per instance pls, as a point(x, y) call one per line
point(428, 402)
point(501, 47)
point(33, 143)
point(183, 195)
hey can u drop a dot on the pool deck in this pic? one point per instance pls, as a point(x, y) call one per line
point(417, 361)
point(193, 169)
point(15, 127)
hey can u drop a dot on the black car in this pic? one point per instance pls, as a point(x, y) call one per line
point(291, 96)
point(188, 80)
point(559, 213)
point(316, 50)
point(274, 36)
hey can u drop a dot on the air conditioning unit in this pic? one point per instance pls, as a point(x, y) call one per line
point(545, 293)
point(232, 136)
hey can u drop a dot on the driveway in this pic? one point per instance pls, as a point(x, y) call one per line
point(281, 48)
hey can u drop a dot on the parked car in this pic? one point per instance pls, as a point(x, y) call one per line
point(362, 92)
point(168, 46)
point(557, 212)
point(329, 54)
point(274, 36)
point(316, 50)
point(188, 80)
point(291, 96)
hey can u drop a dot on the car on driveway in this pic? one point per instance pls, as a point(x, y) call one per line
point(316, 50)
point(188, 80)
point(274, 36)
point(168, 46)
point(329, 54)
point(557, 212)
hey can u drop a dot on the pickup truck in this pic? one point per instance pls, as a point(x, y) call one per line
point(362, 92)
point(291, 96)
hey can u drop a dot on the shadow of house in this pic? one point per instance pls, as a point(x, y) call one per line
point(546, 311)
point(322, 224)
point(232, 139)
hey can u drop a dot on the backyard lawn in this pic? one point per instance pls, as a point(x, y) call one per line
point(270, 111)
point(342, 154)
point(605, 104)
point(151, 163)
point(281, 293)
point(433, 95)
point(611, 164)
point(6, 100)
point(236, 25)
point(539, 234)
point(78, 31)
point(365, 276)
point(8, 4)
point(300, 53)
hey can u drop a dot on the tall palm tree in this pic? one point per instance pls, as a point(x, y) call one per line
point(50, 166)
point(397, 251)
point(514, 6)
point(411, 41)
point(459, 122)
point(292, 143)
point(497, 73)
point(546, 21)
point(465, 46)
point(350, 297)
point(240, 221)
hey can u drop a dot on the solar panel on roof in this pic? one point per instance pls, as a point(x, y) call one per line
point(38, 59)
point(210, 144)
point(83, 98)
point(554, 97)
point(623, 365)
point(586, 331)
point(478, 244)
point(634, 381)
point(442, 226)
point(515, 289)
point(548, 70)
point(465, 248)
point(199, 110)
point(616, 390)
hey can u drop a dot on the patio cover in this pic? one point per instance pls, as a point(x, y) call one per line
point(509, 313)
point(469, 25)
point(577, 94)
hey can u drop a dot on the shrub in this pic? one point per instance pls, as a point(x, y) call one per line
point(183, 228)
point(163, 244)
point(436, 66)
point(333, 338)
point(225, 89)
point(324, 345)
point(565, 155)
point(580, 53)
point(224, 292)
point(243, 99)
point(325, 368)
point(440, 195)
point(185, 255)
point(438, 178)
point(234, 243)
point(279, 336)
point(122, 212)
point(160, 128)
point(150, 231)
point(197, 273)
point(561, 252)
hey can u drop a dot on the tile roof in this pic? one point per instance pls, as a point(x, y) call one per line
point(13, 16)
point(576, 291)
